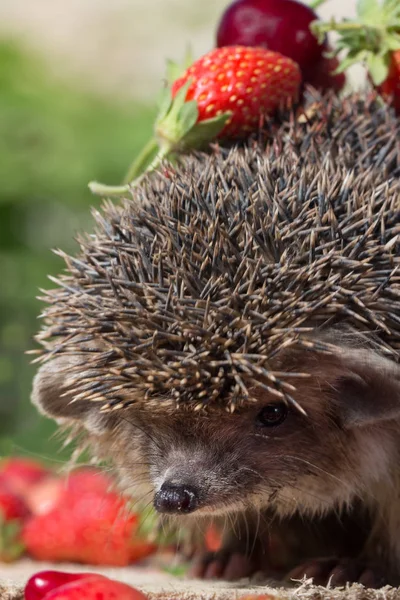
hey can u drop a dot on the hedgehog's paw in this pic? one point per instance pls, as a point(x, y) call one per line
point(223, 564)
point(338, 572)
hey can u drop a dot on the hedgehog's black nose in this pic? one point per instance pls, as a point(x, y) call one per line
point(173, 498)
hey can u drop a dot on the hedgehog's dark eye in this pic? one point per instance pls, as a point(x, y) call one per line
point(272, 415)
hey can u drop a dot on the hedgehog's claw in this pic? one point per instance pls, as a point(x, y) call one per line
point(223, 564)
point(338, 572)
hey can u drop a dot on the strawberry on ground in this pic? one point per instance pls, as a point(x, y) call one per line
point(373, 39)
point(45, 495)
point(86, 479)
point(48, 493)
point(224, 94)
point(88, 527)
point(21, 473)
point(53, 585)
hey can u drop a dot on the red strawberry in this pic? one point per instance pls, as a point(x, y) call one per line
point(88, 480)
point(247, 82)
point(45, 495)
point(49, 492)
point(21, 473)
point(223, 94)
point(140, 549)
point(52, 585)
point(373, 38)
point(87, 527)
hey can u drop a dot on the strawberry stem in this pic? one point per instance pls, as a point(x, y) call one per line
point(100, 189)
point(142, 161)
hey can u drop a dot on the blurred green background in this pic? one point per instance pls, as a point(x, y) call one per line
point(54, 138)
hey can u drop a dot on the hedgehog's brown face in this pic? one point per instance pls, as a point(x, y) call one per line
point(265, 454)
point(269, 453)
point(220, 462)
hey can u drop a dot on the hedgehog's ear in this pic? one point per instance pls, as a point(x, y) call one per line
point(368, 388)
point(52, 397)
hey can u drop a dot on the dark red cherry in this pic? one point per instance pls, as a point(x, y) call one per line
point(280, 25)
point(322, 75)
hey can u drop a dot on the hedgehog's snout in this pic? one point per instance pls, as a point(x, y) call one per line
point(174, 498)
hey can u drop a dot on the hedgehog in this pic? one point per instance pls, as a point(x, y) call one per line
point(228, 339)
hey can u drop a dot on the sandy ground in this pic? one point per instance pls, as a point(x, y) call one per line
point(159, 586)
point(152, 582)
point(123, 44)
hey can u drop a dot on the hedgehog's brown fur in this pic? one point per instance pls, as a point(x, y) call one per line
point(199, 279)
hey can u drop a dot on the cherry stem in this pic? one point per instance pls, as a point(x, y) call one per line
point(332, 25)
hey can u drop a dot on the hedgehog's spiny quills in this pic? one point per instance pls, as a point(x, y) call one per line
point(189, 291)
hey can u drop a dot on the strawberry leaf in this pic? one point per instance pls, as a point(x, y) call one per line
point(378, 67)
point(175, 104)
point(351, 59)
point(187, 117)
point(181, 118)
point(206, 131)
point(391, 9)
point(189, 57)
point(369, 11)
point(174, 71)
point(164, 103)
point(392, 41)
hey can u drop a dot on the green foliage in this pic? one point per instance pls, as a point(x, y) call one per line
point(54, 138)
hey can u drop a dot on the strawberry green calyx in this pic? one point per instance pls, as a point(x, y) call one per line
point(369, 39)
point(11, 546)
point(176, 130)
point(177, 127)
point(176, 70)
